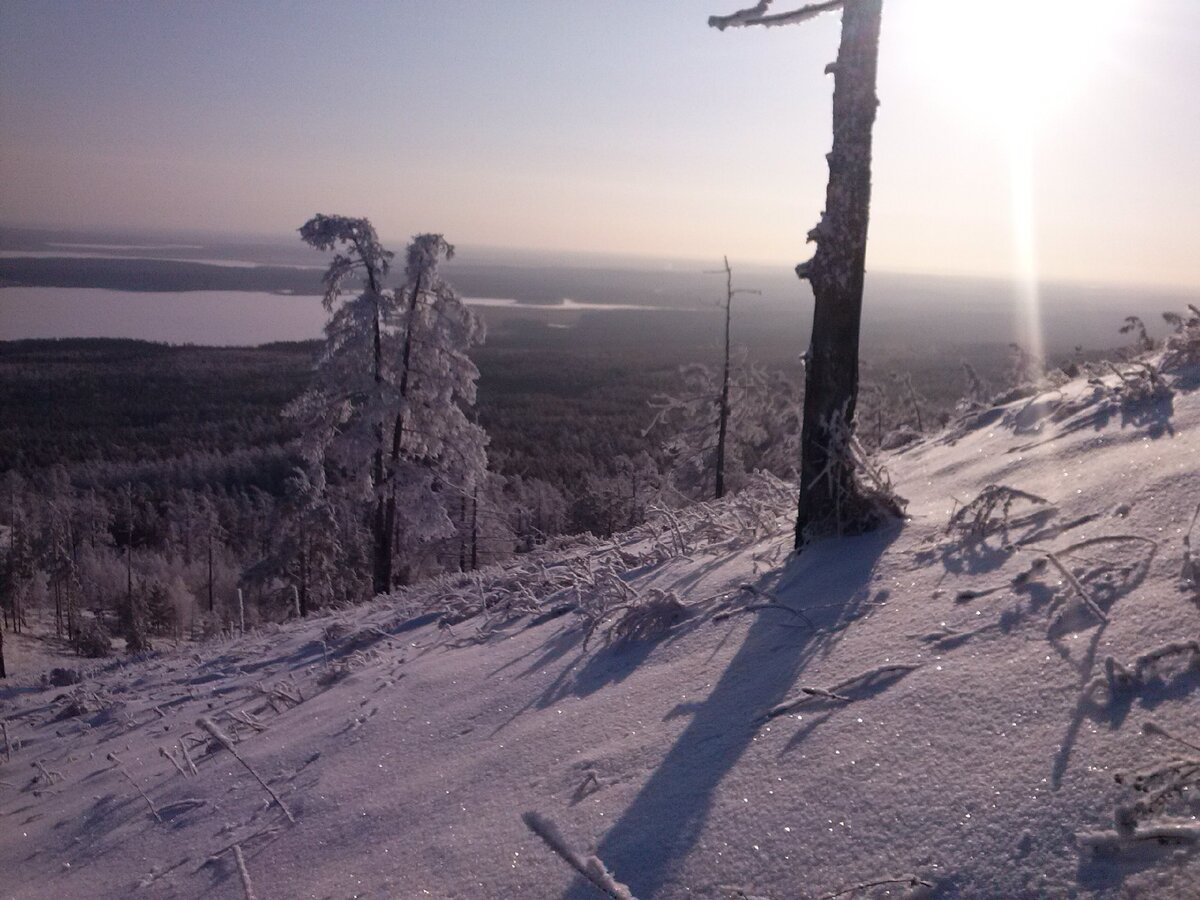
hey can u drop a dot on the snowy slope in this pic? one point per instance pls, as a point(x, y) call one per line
point(976, 753)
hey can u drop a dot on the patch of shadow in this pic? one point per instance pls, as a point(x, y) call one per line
point(552, 651)
point(1148, 693)
point(1152, 414)
point(659, 828)
point(844, 693)
point(1099, 873)
point(609, 665)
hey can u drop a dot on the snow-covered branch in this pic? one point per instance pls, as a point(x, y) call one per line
point(760, 14)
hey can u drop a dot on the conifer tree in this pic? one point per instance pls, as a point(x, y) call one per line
point(386, 416)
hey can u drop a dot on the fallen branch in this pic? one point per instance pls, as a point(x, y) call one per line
point(175, 762)
point(240, 859)
point(834, 692)
point(120, 766)
point(187, 756)
point(1158, 731)
point(1074, 583)
point(590, 867)
point(50, 776)
point(224, 740)
point(1111, 843)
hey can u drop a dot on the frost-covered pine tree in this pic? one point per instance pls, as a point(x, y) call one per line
point(386, 415)
point(735, 421)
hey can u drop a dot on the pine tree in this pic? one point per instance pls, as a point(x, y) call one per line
point(386, 416)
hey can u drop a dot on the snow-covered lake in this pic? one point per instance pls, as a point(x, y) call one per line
point(196, 317)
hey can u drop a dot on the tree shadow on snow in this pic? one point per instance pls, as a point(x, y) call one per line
point(658, 830)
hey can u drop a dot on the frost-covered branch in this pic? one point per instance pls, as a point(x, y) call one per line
point(589, 867)
point(760, 14)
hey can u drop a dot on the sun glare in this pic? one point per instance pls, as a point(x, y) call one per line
point(1012, 65)
point(1014, 61)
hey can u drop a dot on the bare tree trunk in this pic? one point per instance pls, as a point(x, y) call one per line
point(388, 523)
point(723, 414)
point(475, 528)
point(836, 272)
point(462, 533)
point(211, 599)
point(382, 555)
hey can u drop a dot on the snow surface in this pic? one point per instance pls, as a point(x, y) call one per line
point(976, 753)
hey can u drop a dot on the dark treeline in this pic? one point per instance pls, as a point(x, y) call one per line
point(152, 490)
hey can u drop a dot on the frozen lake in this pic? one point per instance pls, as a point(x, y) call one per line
point(192, 317)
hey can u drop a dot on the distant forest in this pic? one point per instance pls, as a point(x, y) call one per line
point(147, 487)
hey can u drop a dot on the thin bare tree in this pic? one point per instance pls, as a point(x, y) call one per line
point(723, 403)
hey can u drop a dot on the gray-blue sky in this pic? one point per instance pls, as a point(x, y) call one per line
point(623, 126)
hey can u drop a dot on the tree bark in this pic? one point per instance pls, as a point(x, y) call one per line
point(475, 529)
point(836, 273)
point(387, 526)
point(382, 555)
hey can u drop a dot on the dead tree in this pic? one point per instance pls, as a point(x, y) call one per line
point(831, 499)
point(723, 410)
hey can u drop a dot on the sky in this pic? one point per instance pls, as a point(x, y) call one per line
point(624, 127)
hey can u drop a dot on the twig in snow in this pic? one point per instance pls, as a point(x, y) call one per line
point(187, 757)
point(7, 746)
point(1152, 728)
point(834, 692)
point(911, 880)
point(240, 859)
point(774, 603)
point(120, 766)
point(1074, 583)
point(978, 518)
point(249, 719)
point(1111, 843)
point(175, 762)
point(50, 776)
point(590, 867)
point(224, 740)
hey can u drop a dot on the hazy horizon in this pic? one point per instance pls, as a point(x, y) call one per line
point(629, 132)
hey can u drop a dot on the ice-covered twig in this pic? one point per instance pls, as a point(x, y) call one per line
point(835, 691)
point(1074, 584)
point(183, 748)
point(224, 740)
point(240, 859)
point(978, 518)
point(175, 762)
point(49, 775)
point(120, 766)
point(1157, 730)
point(760, 14)
point(1110, 843)
point(590, 867)
point(774, 603)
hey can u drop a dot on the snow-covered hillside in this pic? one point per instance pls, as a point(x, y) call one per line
point(924, 711)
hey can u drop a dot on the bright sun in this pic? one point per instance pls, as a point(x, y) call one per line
point(1015, 61)
point(1013, 65)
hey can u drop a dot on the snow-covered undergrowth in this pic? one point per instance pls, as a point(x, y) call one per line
point(997, 703)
